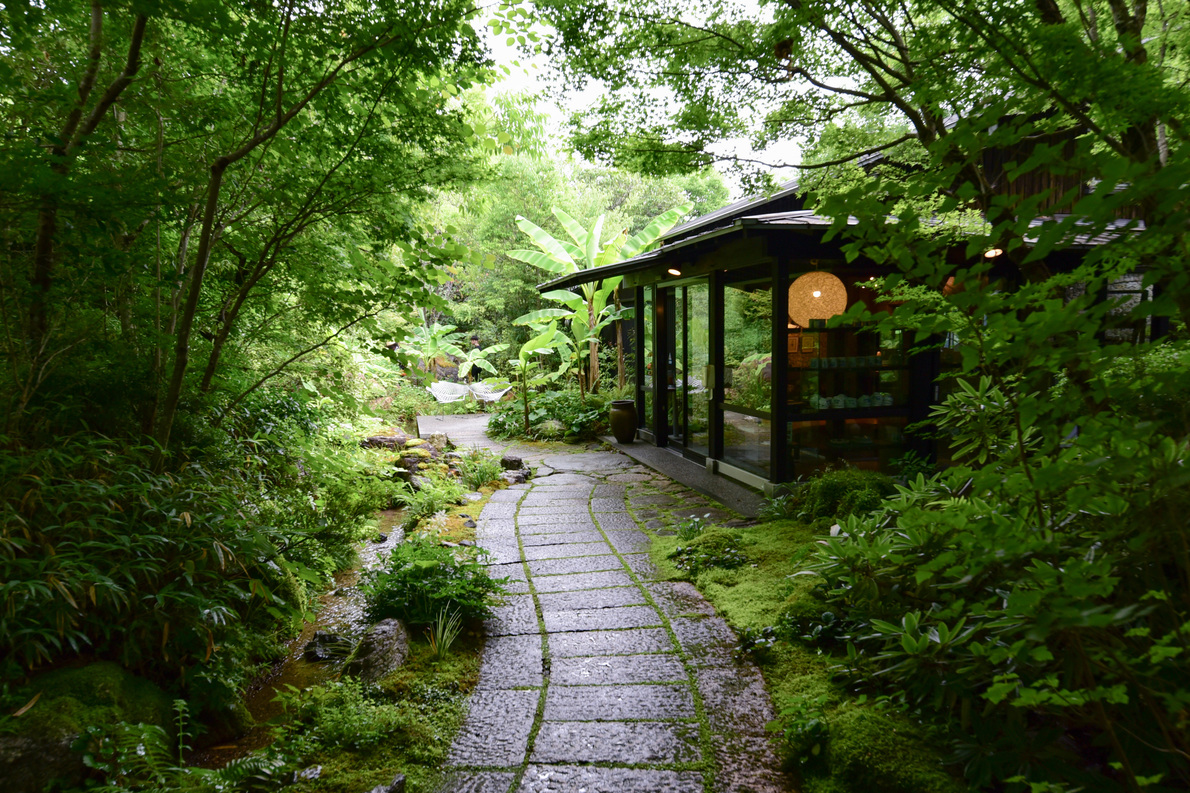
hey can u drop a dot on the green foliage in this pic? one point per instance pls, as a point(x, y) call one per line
point(435, 492)
point(349, 714)
point(840, 492)
point(581, 419)
point(443, 632)
point(478, 467)
point(752, 383)
point(689, 528)
point(714, 547)
point(421, 580)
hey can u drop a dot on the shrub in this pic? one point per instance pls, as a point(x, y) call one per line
point(435, 493)
point(580, 419)
point(841, 492)
point(712, 548)
point(420, 579)
point(478, 467)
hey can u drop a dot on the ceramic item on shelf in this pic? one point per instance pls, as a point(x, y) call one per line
point(813, 363)
point(888, 399)
point(852, 402)
point(865, 401)
point(839, 402)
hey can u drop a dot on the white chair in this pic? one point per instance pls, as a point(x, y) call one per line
point(489, 392)
point(446, 392)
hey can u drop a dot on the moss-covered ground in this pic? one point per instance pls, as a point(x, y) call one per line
point(831, 739)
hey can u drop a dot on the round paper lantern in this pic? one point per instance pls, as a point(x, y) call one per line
point(816, 295)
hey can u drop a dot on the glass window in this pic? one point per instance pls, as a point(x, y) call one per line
point(747, 442)
point(646, 350)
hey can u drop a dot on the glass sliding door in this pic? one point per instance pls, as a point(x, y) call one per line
point(686, 342)
point(646, 388)
point(748, 375)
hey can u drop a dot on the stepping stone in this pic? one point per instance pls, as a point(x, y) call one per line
point(589, 779)
point(570, 583)
point(561, 537)
point(555, 517)
point(535, 552)
point(629, 542)
point(629, 477)
point(504, 497)
point(601, 619)
point(581, 564)
point(655, 500)
point(560, 480)
point(477, 782)
point(616, 670)
point(608, 505)
point(498, 510)
point(541, 500)
point(504, 553)
point(615, 703)
point(709, 641)
point(557, 526)
point(676, 598)
point(587, 462)
point(511, 662)
point(496, 730)
point(735, 699)
point(591, 599)
point(616, 521)
point(516, 616)
point(747, 764)
point(641, 564)
point(604, 643)
point(616, 742)
point(606, 490)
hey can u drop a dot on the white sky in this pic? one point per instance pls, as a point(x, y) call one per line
point(532, 75)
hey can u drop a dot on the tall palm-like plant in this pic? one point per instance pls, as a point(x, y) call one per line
point(591, 311)
point(430, 344)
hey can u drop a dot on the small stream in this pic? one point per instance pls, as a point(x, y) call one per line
point(341, 611)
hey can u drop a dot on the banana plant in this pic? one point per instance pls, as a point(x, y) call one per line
point(477, 358)
point(432, 343)
point(529, 371)
point(588, 251)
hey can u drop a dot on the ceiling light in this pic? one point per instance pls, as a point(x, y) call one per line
point(674, 271)
point(816, 295)
point(992, 253)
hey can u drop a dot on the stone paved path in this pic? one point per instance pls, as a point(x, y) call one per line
point(595, 677)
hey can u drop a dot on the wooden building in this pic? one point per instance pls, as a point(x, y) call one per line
point(735, 367)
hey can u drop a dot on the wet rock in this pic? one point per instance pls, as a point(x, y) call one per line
point(469, 524)
point(467, 543)
point(313, 772)
point(326, 645)
point(29, 764)
point(418, 482)
point(382, 650)
point(396, 786)
point(395, 440)
point(448, 544)
point(518, 477)
point(474, 496)
point(440, 442)
point(510, 462)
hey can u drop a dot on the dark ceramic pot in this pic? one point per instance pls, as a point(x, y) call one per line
point(623, 420)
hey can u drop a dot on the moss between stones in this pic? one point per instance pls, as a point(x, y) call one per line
point(876, 751)
point(99, 694)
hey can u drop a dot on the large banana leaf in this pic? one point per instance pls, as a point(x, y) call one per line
point(540, 314)
point(639, 242)
point(570, 299)
point(575, 251)
point(593, 243)
point(611, 250)
point(573, 228)
point(544, 261)
point(546, 241)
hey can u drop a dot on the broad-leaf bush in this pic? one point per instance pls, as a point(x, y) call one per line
point(582, 418)
point(420, 579)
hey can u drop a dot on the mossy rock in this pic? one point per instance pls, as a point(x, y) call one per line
point(417, 454)
point(414, 442)
point(35, 747)
point(715, 540)
point(874, 751)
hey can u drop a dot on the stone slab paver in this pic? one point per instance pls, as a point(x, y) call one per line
point(562, 537)
point(536, 552)
point(627, 743)
point(511, 662)
point(576, 581)
point(581, 564)
point(617, 703)
point(585, 641)
point(617, 669)
point(496, 730)
point(591, 599)
point(601, 619)
point(589, 779)
point(643, 640)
